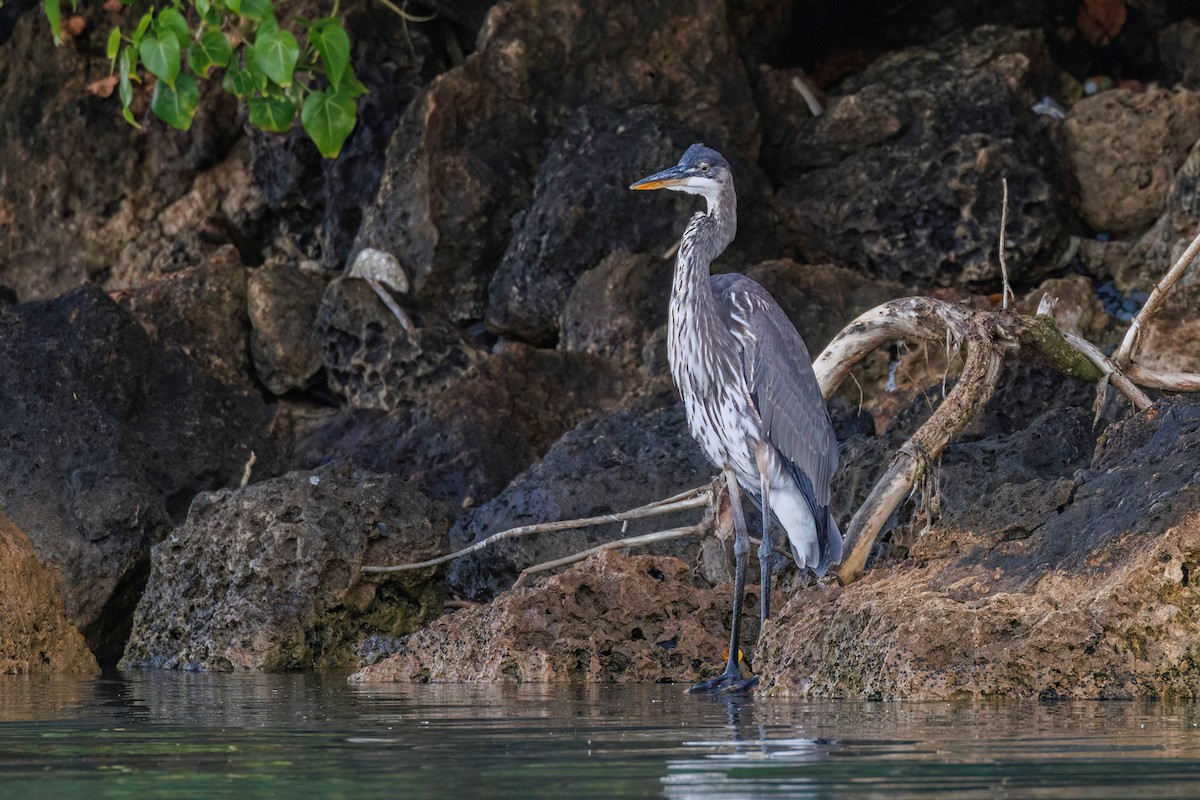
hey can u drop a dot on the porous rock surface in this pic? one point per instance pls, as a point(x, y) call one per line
point(611, 619)
point(270, 577)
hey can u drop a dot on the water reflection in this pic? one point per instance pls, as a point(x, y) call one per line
point(177, 735)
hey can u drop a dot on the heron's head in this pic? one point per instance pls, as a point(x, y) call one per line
point(701, 171)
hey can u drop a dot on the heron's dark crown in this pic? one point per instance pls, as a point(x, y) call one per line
point(702, 154)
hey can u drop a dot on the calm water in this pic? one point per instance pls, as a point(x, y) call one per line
point(147, 735)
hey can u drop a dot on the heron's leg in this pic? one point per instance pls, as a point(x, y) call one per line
point(731, 680)
point(764, 547)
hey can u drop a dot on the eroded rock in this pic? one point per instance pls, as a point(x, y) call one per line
point(35, 634)
point(612, 619)
point(270, 577)
point(901, 177)
point(282, 303)
point(1123, 148)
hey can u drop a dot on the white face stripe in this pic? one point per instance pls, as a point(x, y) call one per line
point(705, 187)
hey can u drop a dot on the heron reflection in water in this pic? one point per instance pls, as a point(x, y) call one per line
point(751, 397)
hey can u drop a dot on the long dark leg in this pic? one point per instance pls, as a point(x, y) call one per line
point(764, 548)
point(731, 680)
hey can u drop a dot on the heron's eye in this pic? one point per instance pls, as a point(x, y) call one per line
point(704, 167)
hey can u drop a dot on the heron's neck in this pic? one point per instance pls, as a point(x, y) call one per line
point(706, 237)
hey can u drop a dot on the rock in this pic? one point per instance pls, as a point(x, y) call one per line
point(612, 619)
point(282, 302)
point(901, 177)
point(1081, 588)
point(1178, 46)
point(462, 443)
point(108, 437)
point(1123, 149)
point(582, 210)
point(464, 157)
point(372, 361)
point(270, 577)
point(615, 307)
point(86, 196)
point(604, 465)
point(1078, 310)
point(35, 634)
point(318, 201)
point(201, 312)
point(1171, 342)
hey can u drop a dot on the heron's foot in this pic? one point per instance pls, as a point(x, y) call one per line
point(728, 681)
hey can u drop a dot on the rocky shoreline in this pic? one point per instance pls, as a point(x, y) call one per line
point(210, 428)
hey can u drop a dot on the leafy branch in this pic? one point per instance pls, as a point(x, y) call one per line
point(279, 75)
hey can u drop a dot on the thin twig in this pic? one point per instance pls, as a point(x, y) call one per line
point(1125, 352)
point(1008, 292)
point(699, 497)
point(619, 544)
point(1167, 381)
point(246, 469)
point(1111, 371)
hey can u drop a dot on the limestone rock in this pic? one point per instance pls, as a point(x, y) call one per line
point(1080, 588)
point(270, 577)
point(611, 619)
point(1123, 149)
point(901, 177)
point(108, 437)
point(282, 302)
point(35, 635)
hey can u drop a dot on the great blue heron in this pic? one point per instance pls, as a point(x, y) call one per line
point(752, 399)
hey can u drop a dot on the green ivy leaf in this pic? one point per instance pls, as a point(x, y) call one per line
point(235, 6)
point(238, 82)
point(257, 10)
point(176, 105)
point(351, 85)
point(276, 52)
point(203, 7)
point(210, 50)
point(140, 30)
point(333, 44)
point(256, 73)
point(172, 22)
point(272, 114)
point(113, 46)
point(161, 57)
point(54, 15)
point(328, 118)
point(124, 87)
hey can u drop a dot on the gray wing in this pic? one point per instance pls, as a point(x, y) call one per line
point(780, 377)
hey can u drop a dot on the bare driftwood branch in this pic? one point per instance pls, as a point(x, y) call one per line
point(699, 529)
point(1008, 292)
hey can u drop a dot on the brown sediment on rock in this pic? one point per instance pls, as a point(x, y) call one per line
point(35, 635)
point(612, 619)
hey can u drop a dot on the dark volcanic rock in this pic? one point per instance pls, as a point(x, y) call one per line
point(107, 438)
point(611, 619)
point(463, 443)
point(1080, 587)
point(270, 577)
point(604, 465)
point(901, 177)
point(201, 312)
point(282, 302)
point(372, 361)
point(463, 159)
point(582, 210)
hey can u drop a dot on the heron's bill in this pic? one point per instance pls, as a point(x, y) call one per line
point(656, 183)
